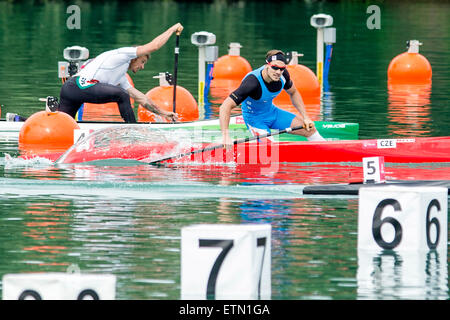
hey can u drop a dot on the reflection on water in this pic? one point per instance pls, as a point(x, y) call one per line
point(126, 220)
point(328, 101)
point(138, 240)
point(221, 89)
point(395, 275)
point(109, 173)
point(409, 109)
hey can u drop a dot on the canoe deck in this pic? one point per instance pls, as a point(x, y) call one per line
point(412, 150)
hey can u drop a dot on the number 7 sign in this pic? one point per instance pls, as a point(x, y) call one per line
point(226, 261)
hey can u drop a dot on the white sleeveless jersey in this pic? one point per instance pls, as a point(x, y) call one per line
point(110, 67)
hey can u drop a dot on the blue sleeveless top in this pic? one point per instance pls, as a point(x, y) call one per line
point(251, 107)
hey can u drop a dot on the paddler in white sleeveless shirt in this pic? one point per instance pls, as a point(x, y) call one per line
point(103, 80)
point(256, 93)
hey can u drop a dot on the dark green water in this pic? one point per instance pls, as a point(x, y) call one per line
point(126, 219)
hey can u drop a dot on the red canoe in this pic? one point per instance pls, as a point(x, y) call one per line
point(410, 150)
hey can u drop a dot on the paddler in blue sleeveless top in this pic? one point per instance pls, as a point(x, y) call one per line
point(256, 93)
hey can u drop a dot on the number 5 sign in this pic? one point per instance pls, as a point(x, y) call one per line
point(402, 218)
point(373, 169)
point(226, 261)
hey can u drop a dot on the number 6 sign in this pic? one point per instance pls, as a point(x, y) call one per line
point(226, 261)
point(402, 218)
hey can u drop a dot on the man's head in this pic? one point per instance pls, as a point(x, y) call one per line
point(138, 63)
point(276, 64)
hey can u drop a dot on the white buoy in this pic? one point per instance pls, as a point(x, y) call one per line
point(413, 46)
point(294, 58)
point(201, 40)
point(320, 21)
point(234, 49)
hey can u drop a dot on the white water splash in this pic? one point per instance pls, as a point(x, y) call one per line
point(37, 162)
point(129, 137)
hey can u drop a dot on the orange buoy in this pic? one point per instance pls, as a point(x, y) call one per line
point(306, 83)
point(232, 65)
point(104, 111)
point(44, 131)
point(410, 67)
point(221, 88)
point(227, 73)
point(162, 96)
